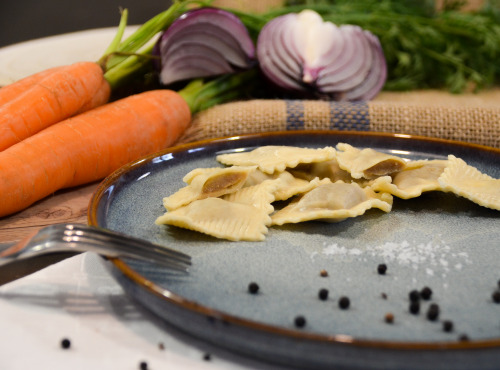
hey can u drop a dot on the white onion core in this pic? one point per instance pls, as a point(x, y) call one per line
point(303, 53)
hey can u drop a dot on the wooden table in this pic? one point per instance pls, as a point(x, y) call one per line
point(64, 206)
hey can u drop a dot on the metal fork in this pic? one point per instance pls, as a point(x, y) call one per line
point(76, 238)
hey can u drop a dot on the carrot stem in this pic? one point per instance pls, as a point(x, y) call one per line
point(119, 34)
point(132, 64)
point(201, 95)
point(123, 59)
point(120, 57)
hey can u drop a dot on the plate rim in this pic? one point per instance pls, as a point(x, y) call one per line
point(335, 339)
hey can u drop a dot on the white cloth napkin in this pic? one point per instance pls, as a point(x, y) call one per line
point(77, 299)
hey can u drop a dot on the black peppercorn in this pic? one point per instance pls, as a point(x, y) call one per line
point(433, 312)
point(382, 268)
point(65, 343)
point(300, 321)
point(414, 307)
point(143, 365)
point(323, 294)
point(344, 302)
point(426, 293)
point(447, 326)
point(384, 295)
point(207, 357)
point(253, 287)
point(496, 296)
point(414, 296)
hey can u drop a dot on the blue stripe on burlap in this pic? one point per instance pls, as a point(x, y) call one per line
point(345, 116)
point(294, 115)
point(349, 116)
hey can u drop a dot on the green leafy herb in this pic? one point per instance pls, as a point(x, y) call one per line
point(424, 47)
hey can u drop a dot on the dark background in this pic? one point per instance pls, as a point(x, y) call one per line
point(22, 20)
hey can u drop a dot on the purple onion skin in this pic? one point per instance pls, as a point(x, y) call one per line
point(232, 33)
point(356, 69)
point(275, 70)
point(218, 17)
point(156, 56)
point(376, 77)
point(354, 74)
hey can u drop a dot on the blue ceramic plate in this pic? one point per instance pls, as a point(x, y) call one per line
point(438, 240)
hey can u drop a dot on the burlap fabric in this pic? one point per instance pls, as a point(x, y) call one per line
point(469, 117)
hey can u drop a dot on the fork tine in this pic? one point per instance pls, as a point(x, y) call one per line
point(102, 234)
point(118, 249)
point(125, 246)
point(128, 249)
point(140, 243)
point(75, 238)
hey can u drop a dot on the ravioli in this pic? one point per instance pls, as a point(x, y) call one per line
point(199, 171)
point(416, 178)
point(256, 177)
point(324, 170)
point(291, 186)
point(212, 182)
point(468, 182)
point(332, 202)
point(276, 158)
point(261, 196)
point(220, 218)
point(238, 202)
point(367, 163)
point(288, 184)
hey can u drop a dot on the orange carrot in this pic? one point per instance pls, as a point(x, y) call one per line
point(100, 97)
point(89, 146)
point(51, 96)
point(13, 90)
point(57, 96)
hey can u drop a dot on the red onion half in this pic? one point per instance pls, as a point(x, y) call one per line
point(203, 43)
point(303, 54)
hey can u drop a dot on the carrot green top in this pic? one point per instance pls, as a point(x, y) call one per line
point(122, 59)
